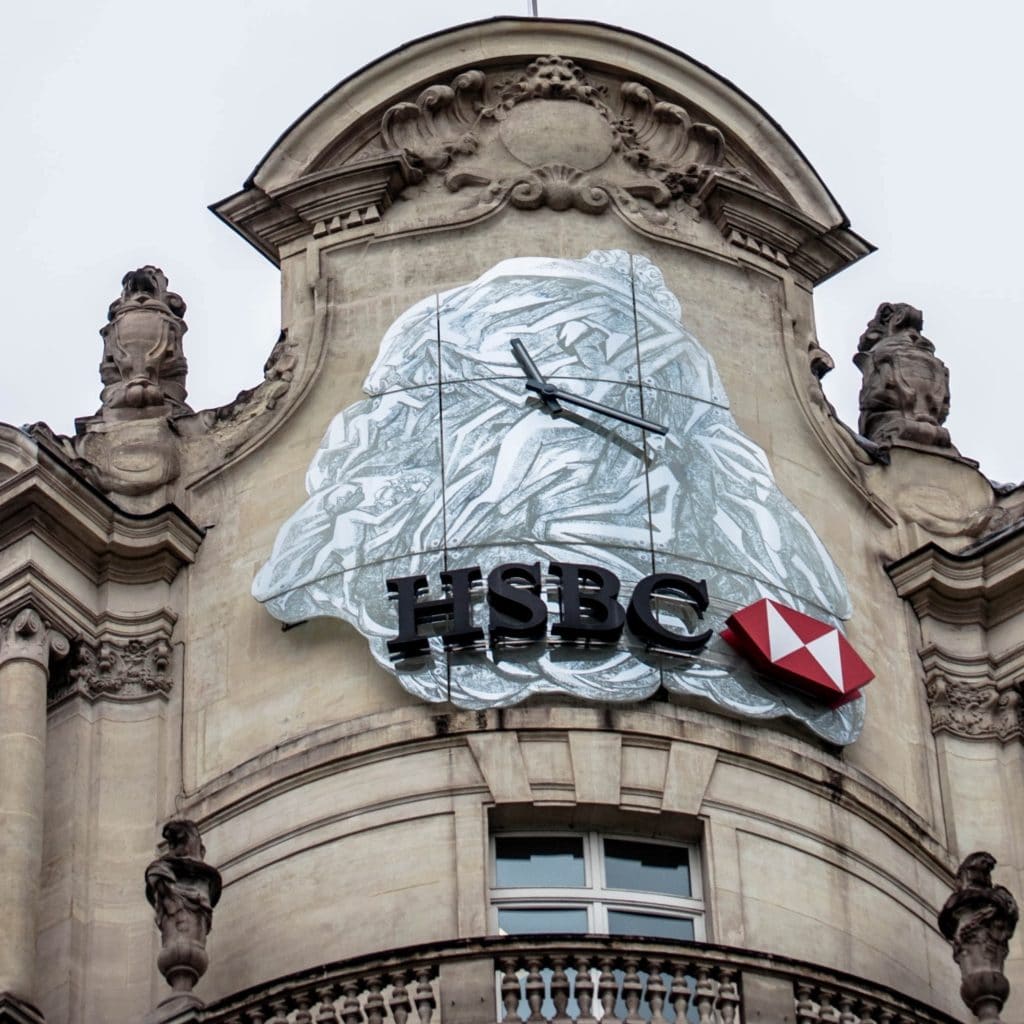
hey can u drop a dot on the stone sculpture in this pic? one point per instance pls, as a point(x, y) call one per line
point(143, 368)
point(183, 890)
point(979, 919)
point(904, 397)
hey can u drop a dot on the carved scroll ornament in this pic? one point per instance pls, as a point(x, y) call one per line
point(578, 146)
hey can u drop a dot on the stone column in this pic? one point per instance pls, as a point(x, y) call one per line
point(26, 645)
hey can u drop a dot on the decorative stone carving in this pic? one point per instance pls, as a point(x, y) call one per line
point(979, 919)
point(143, 368)
point(974, 710)
point(183, 890)
point(278, 374)
point(125, 669)
point(27, 636)
point(904, 397)
point(130, 447)
point(579, 147)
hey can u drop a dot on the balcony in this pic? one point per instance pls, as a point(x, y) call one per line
point(569, 980)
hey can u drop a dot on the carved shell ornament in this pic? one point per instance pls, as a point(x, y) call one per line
point(578, 146)
point(449, 463)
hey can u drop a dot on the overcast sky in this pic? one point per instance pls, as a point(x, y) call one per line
point(123, 123)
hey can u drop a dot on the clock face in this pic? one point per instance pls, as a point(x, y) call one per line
point(453, 462)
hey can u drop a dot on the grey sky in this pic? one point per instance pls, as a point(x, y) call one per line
point(122, 125)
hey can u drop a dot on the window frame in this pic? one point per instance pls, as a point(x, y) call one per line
point(594, 895)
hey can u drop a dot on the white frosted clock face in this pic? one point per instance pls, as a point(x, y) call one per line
point(452, 463)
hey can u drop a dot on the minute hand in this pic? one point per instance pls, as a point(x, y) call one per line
point(549, 391)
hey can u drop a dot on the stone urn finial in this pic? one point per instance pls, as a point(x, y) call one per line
point(979, 919)
point(183, 890)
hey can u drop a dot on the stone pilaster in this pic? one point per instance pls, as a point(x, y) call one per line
point(27, 643)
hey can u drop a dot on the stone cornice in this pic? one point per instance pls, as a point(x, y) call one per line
point(972, 682)
point(48, 500)
point(982, 585)
point(645, 133)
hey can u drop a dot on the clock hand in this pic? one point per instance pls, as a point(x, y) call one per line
point(533, 375)
point(550, 391)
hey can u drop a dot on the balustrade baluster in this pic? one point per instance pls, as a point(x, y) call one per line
point(326, 1014)
point(534, 991)
point(425, 1001)
point(584, 992)
point(255, 1015)
point(728, 995)
point(806, 1010)
point(351, 1012)
point(846, 1014)
point(868, 1010)
point(400, 1003)
point(559, 990)
point(656, 994)
point(827, 1013)
point(510, 991)
point(681, 991)
point(607, 990)
point(704, 993)
point(632, 988)
point(374, 1000)
point(279, 1006)
point(303, 1000)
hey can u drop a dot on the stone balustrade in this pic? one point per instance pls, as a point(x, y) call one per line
point(569, 980)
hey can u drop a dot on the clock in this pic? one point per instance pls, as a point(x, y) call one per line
point(553, 412)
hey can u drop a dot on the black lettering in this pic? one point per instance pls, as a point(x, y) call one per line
point(591, 614)
point(646, 627)
point(414, 612)
point(517, 612)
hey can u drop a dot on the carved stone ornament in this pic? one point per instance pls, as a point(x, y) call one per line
point(143, 367)
point(979, 919)
point(183, 890)
point(124, 669)
point(974, 709)
point(27, 636)
point(578, 147)
point(904, 396)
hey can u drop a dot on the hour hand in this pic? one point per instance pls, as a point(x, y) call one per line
point(550, 391)
point(534, 379)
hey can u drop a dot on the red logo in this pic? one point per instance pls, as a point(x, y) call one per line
point(805, 652)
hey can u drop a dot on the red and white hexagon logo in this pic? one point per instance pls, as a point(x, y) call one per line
point(800, 650)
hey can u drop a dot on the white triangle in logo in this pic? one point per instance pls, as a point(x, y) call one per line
point(825, 651)
point(782, 640)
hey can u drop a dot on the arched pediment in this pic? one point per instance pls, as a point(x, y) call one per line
point(530, 113)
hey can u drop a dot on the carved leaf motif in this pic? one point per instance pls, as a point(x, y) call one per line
point(439, 124)
point(662, 135)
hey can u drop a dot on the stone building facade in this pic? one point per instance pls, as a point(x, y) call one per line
point(353, 643)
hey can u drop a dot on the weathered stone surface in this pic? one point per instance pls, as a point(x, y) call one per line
point(183, 890)
point(904, 397)
point(979, 919)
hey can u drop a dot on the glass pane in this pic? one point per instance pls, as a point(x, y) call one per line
point(627, 922)
point(540, 920)
point(539, 861)
point(646, 867)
